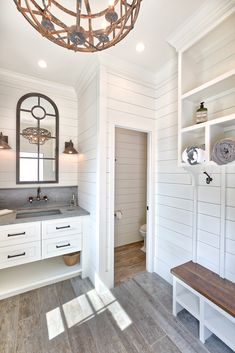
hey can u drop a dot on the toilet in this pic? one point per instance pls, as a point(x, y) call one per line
point(143, 232)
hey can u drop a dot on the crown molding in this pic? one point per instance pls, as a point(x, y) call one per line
point(208, 16)
point(16, 79)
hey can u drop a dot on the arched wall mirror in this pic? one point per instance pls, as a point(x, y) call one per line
point(37, 140)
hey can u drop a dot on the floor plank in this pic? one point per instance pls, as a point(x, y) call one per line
point(71, 317)
point(145, 324)
point(9, 309)
point(129, 260)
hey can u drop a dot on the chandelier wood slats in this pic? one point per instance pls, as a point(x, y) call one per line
point(81, 29)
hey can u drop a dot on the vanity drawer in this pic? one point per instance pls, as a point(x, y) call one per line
point(61, 227)
point(20, 233)
point(20, 254)
point(61, 245)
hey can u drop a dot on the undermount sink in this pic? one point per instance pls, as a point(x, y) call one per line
point(37, 213)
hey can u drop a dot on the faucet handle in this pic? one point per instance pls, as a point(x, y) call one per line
point(45, 198)
point(30, 199)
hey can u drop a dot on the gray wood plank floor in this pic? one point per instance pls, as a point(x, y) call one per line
point(69, 317)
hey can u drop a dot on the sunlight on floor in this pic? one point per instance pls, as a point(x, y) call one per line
point(77, 310)
point(119, 315)
point(84, 308)
point(55, 324)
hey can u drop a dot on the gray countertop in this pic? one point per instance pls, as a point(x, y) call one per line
point(66, 212)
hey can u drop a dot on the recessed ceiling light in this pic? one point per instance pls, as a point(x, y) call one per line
point(42, 64)
point(140, 47)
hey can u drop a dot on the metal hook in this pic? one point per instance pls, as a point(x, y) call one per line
point(209, 178)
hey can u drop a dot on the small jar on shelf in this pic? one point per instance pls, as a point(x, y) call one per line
point(201, 114)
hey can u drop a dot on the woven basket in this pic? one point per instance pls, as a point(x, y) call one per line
point(72, 259)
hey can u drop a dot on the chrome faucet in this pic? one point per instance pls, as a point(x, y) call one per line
point(39, 196)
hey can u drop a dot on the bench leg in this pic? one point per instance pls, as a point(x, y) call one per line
point(204, 333)
point(176, 306)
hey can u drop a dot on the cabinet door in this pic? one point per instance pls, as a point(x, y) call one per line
point(13, 234)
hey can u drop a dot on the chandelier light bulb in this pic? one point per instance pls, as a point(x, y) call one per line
point(111, 3)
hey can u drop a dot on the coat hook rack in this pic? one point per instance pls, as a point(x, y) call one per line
point(209, 178)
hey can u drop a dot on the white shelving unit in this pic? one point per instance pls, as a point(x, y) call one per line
point(212, 319)
point(188, 300)
point(19, 279)
point(207, 73)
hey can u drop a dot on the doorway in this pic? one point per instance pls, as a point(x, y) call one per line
point(130, 203)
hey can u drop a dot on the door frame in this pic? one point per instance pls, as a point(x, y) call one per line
point(148, 128)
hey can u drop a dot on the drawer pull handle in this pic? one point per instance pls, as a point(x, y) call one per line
point(16, 234)
point(11, 256)
point(64, 227)
point(62, 246)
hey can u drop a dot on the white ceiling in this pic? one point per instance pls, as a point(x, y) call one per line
point(22, 46)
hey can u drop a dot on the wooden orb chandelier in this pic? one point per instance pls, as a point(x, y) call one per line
point(73, 25)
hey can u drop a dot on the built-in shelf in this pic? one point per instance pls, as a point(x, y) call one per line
point(222, 327)
point(19, 279)
point(211, 88)
point(207, 134)
point(225, 121)
point(207, 74)
point(210, 316)
point(190, 302)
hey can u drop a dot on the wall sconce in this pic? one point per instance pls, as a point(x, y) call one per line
point(69, 149)
point(4, 142)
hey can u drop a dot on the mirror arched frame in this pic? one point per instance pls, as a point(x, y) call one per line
point(37, 140)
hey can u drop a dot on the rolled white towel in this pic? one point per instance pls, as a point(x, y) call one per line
point(193, 155)
point(224, 151)
point(5, 211)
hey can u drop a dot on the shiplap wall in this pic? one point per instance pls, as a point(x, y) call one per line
point(174, 192)
point(12, 87)
point(230, 224)
point(88, 102)
point(130, 184)
point(174, 198)
point(130, 103)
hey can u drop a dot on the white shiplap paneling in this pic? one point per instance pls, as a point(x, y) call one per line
point(12, 87)
point(87, 93)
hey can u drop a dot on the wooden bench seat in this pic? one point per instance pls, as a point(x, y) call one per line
point(209, 298)
point(218, 290)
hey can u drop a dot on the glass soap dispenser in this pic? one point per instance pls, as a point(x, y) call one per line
point(201, 114)
point(73, 201)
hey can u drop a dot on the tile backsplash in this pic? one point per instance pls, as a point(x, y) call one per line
point(17, 198)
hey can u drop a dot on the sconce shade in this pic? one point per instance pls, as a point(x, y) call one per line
point(4, 142)
point(69, 149)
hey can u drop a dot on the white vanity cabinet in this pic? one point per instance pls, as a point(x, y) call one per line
point(31, 253)
point(20, 244)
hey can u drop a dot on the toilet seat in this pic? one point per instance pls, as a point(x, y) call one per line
point(143, 231)
point(143, 228)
